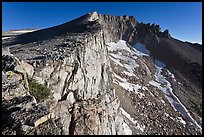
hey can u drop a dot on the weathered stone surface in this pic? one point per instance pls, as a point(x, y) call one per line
point(25, 68)
point(70, 97)
point(6, 51)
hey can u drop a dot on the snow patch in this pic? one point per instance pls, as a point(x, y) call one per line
point(135, 122)
point(5, 38)
point(126, 129)
point(127, 115)
point(129, 63)
point(180, 119)
point(22, 31)
point(171, 75)
point(121, 45)
point(116, 61)
point(141, 50)
point(147, 70)
point(128, 86)
point(155, 84)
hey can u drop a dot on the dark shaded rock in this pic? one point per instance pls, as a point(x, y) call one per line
point(8, 63)
point(165, 34)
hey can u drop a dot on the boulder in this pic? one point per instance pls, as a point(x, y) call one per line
point(29, 69)
point(6, 51)
point(70, 97)
point(25, 67)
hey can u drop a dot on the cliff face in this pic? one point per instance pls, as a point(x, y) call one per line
point(77, 63)
point(80, 84)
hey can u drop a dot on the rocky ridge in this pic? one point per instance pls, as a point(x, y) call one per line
point(75, 63)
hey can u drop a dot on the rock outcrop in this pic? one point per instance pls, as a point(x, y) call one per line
point(80, 85)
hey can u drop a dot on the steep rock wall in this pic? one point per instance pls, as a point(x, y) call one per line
point(81, 97)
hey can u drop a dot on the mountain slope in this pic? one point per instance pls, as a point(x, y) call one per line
point(143, 91)
point(103, 76)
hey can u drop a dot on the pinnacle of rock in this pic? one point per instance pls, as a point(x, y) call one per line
point(93, 16)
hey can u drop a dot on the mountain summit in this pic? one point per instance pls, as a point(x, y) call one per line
point(101, 74)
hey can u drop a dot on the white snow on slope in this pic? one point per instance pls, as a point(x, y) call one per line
point(5, 38)
point(137, 50)
point(117, 61)
point(135, 122)
point(180, 119)
point(129, 63)
point(156, 84)
point(22, 31)
point(171, 97)
point(159, 82)
point(127, 115)
point(148, 70)
point(121, 45)
point(129, 60)
point(171, 75)
point(128, 86)
point(16, 32)
point(126, 129)
point(141, 50)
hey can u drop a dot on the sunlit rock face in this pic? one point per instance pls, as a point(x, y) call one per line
point(102, 77)
point(84, 74)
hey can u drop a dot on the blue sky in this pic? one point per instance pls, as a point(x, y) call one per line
point(183, 19)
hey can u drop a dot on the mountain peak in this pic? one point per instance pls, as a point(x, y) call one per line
point(93, 16)
point(93, 12)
